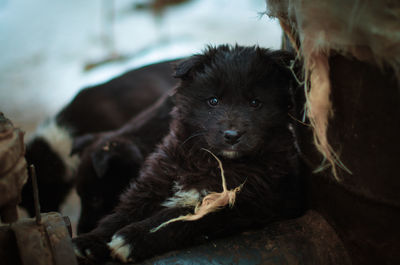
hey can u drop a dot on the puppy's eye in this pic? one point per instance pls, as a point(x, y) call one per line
point(255, 103)
point(213, 101)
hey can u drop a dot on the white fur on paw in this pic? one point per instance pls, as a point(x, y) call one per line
point(78, 252)
point(88, 253)
point(119, 250)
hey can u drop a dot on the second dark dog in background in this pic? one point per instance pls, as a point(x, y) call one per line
point(110, 160)
point(99, 108)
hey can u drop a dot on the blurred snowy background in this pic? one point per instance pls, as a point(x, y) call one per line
point(46, 45)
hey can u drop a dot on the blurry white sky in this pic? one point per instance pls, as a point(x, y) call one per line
point(44, 44)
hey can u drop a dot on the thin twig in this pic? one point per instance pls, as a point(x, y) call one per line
point(35, 194)
point(220, 167)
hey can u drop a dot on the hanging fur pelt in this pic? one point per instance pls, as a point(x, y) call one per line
point(367, 30)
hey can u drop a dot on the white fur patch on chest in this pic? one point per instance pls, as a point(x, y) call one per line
point(60, 141)
point(184, 198)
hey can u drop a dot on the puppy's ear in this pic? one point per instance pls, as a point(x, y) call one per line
point(293, 69)
point(288, 60)
point(115, 155)
point(185, 68)
point(282, 57)
point(81, 143)
point(100, 161)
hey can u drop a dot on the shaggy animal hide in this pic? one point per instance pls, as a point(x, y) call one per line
point(366, 30)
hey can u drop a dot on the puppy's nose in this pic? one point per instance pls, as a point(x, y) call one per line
point(231, 136)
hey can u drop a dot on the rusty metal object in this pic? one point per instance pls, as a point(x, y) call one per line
point(45, 240)
point(308, 240)
point(13, 173)
point(26, 243)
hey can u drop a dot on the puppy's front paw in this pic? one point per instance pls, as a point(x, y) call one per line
point(90, 247)
point(120, 249)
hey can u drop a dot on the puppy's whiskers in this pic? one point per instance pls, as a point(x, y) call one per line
point(193, 136)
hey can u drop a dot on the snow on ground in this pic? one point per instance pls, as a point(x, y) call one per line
point(45, 44)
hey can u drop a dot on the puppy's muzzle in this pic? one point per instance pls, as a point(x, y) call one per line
point(232, 136)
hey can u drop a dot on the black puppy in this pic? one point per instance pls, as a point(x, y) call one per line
point(234, 102)
point(103, 107)
point(110, 160)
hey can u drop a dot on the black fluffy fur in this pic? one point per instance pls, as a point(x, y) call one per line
point(110, 160)
point(94, 109)
point(266, 160)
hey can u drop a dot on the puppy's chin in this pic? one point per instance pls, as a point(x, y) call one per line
point(230, 154)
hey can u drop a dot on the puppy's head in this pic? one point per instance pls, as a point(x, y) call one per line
point(107, 165)
point(234, 99)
